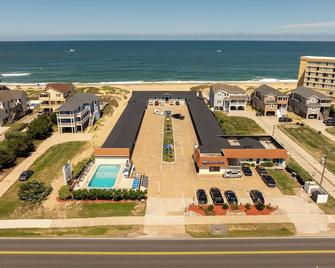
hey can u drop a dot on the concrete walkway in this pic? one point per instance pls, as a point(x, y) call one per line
point(56, 138)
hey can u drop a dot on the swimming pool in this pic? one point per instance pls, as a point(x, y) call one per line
point(105, 176)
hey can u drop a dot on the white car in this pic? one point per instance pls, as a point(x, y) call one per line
point(158, 112)
point(233, 174)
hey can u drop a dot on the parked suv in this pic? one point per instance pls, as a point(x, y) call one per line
point(178, 116)
point(257, 197)
point(329, 122)
point(247, 171)
point(261, 170)
point(202, 197)
point(233, 174)
point(216, 196)
point(231, 197)
point(285, 119)
point(269, 181)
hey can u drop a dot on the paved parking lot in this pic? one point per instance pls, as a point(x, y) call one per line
point(172, 186)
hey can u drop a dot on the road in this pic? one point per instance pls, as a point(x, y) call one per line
point(291, 252)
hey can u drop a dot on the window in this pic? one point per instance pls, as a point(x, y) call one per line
point(214, 169)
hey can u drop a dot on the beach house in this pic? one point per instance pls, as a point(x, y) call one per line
point(227, 98)
point(310, 103)
point(269, 101)
point(80, 111)
point(13, 105)
point(55, 95)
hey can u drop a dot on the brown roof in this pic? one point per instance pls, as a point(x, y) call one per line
point(63, 88)
point(228, 88)
point(111, 152)
point(256, 153)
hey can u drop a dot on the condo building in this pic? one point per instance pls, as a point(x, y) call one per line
point(317, 73)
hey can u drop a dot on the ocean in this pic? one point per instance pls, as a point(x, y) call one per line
point(146, 61)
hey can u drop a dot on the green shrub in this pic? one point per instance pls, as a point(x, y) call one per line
point(246, 164)
point(114, 103)
point(247, 206)
point(252, 165)
point(267, 164)
point(64, 193)
point(33, 191)
point(302, 174)
point(19, 143)
point(234, 206)
point(225, 206)
point(260, 206)
point(79, 167)
point(40, 128)
point(210, 208)
point(106, 194)
point(92, 90)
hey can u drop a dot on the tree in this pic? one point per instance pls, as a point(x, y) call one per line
point(34, 191)
point(40, 128)
point(64, 193)
point(19, 143)
point(7, 156)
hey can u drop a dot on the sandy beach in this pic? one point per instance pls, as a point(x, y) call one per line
point(167, 86)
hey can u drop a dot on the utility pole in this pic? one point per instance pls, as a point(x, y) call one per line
point(323, 161)
point(273, 130)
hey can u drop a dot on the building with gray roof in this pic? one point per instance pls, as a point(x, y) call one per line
point(80, 111)
point(310, 103)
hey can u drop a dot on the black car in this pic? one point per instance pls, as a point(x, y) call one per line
point(216, 196)
point(329, 122)
point(178, 116)
point(25, 175)
point(269, 181)
point(257, 197)
point(202, 197)
point(231, 197)
point(285, 119)
point(247, 171)
point(261, 170)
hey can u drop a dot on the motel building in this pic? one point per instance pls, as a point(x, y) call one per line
point(214, 152)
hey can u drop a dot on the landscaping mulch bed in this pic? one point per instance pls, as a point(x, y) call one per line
point(241, 210)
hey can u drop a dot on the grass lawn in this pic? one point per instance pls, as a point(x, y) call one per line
point(298, 169)
point(331, 130)
point(313, 142)
point(91, 210)
point(284, 182)
point(329, 207)
point(168, 155)
point(243, 230)
point(46, 168)
point(238, 125)
point(94, 231)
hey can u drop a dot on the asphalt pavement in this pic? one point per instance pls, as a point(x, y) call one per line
point(292, 252)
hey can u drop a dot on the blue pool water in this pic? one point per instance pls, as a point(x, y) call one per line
point(105, 176)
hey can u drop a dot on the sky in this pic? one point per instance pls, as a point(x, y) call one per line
point(167, 19)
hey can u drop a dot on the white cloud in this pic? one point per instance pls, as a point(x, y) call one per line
point(310, 25)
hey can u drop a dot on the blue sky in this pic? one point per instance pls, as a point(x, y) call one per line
point(167, 19)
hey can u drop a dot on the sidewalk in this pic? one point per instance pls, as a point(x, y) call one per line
point(308, 162)
point(56, 138)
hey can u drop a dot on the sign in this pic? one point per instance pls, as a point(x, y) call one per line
point(67, 172)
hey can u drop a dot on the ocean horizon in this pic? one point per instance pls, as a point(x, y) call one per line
point(117, 62)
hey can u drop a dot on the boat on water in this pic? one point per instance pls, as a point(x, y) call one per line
point(219, 51)
point(72, 50)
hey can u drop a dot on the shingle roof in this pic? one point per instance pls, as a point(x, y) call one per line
point(228, 88)
point(63, 88)
point(2, 87)
point(6, 95)
point(266, 90)
point(308, 92)
point(77, 100)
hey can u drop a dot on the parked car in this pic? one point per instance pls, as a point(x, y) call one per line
point(202, 197)
point(257, 197)
point(261, 170)
point(216, 196)
point(269, 181)
point(231, 197)
point(285, 119)
point(329, 122)
point(247, 171)
point(25, 175)
point(233, 174)
point(178, 116)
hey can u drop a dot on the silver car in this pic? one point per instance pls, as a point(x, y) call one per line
point(233, 174)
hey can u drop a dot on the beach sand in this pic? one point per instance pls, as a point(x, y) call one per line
point(166, 86)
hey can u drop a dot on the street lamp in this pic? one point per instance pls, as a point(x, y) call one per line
point(323, 162)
